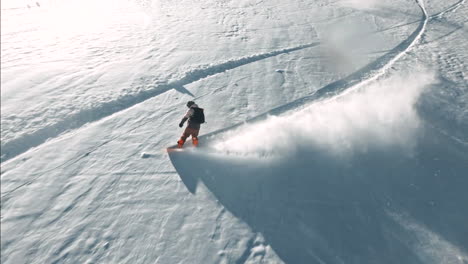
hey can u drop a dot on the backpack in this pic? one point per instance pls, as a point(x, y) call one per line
point(198, 115)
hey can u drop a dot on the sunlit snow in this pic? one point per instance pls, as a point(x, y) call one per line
point(337, 131)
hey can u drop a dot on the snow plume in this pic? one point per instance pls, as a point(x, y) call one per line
point(381, 115)
point(344, 44)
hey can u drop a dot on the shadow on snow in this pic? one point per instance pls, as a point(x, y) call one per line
point(315, 208)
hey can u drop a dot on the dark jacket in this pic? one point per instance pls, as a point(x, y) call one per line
point(188, 115)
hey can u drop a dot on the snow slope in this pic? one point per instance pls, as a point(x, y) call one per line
point(337, 132)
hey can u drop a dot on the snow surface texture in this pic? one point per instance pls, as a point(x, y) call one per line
point(337, 131)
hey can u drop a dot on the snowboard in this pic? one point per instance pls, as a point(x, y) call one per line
point(177, 149)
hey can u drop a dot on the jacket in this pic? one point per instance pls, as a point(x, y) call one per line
point(188, 115)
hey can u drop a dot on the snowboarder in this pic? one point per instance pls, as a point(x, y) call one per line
point(195, 117)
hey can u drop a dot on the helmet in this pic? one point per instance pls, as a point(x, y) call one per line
point(190, 103)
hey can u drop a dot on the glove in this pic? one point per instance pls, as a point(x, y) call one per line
point(181, 124)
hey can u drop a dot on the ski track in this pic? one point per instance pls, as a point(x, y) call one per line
point(22, 144)
point(452, 8)
point(365, 75)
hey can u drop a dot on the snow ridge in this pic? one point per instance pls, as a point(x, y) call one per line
point(25, 142)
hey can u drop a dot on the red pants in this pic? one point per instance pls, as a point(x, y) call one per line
point(187, 133)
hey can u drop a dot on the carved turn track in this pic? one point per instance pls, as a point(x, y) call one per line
point(23, 143)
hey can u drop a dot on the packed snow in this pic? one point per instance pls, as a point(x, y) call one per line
point(337, 131)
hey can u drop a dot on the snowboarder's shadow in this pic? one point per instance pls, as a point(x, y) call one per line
point(336, 212)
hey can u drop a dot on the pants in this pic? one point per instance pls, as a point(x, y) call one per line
point(187, 133)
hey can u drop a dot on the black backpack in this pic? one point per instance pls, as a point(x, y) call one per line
point(198, 115)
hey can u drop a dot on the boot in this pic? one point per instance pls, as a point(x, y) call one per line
point(195, 141)
point(180, 143)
